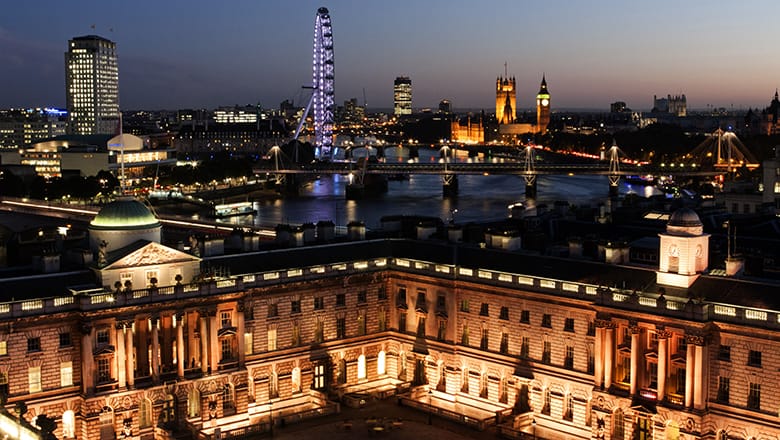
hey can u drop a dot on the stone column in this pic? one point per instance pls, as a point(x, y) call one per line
point(635, 354)
point(119, 359)
point(689, 366)
point(180, 357)
point(240, 334)
point(214, 349)
point(699, 378)
point(130, 367)
point(609, 355)
point(155, 320)
point(204, 341)
point(598, 368)
point(663, 345)
point(88, 360)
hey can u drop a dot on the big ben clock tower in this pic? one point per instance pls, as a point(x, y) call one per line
point(542, 108)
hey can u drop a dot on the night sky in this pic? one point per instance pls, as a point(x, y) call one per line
point(197, 53)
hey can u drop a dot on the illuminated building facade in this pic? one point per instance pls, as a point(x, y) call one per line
point(167, 340)
point(92, 85)
point(236, 115)
point(470, 130)
point(542, 107)
point(20, 128)
point(402, 96)
point(676, 105)
point(506, 100)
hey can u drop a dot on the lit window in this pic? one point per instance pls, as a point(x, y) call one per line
point(66, 374)
point(34, 379)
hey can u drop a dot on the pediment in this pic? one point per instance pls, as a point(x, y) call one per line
point(151, 254)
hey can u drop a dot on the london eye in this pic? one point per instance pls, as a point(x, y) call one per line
point(323, 76)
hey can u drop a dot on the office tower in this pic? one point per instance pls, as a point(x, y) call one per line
point(92, 82)
point(402, 96)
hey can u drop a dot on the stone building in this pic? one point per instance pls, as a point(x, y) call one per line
point(545, 346)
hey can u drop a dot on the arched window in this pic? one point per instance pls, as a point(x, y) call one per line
point(193, 403)
point(672, 431)
point(361, 367)
point(107, 431)
point(381, 369)
point(228, 400)
point(68, 424)
point(617, 424)
point(145, 414)
point(296, 380)
point(169, 409)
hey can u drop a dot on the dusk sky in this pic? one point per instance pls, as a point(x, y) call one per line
point(196, 53)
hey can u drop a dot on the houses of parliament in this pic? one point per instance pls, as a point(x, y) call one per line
point(147, 341)
point(506, 108)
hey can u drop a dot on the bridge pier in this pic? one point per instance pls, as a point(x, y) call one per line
point(450, 185)
point(614, 185)
point(530, 189)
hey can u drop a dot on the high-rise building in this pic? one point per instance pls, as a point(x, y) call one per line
point(402, 96)
point(542, 107)
point(92, 82)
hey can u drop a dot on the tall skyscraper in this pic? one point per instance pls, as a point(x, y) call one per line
point(402, 96)
point(92, 82)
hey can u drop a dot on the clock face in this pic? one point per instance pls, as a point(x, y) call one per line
point(545, 102)
point(674, 250)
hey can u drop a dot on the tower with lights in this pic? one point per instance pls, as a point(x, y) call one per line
point(542, 107)
point(506, 98)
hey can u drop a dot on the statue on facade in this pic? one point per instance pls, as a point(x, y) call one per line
point(101, 262)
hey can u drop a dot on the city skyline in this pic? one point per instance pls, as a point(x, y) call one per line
point(195, 54)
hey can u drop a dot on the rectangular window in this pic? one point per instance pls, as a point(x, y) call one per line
point(464, 305)
point(483, 343)
point(568, 325)
point(273, 310)
point(271, 339)
point(591, 328)
point(34, 379)
point(547, 352)
point(295, 340)
point(525, 316)
point(361, 297)
point(319, 334)
point(382, 320)
point(247, 343)
point(66, 374)
point(103, 370)
point(724, 353)
point(295, 306)
point(525, 346)
point(381, 294)
point(400, 299)
point(319, 303)
point(227, 351)
point(547, 320)
point(484, 309)
point(341, 328)
point(591, 359)
point(464, 337)
point(680, 382)
point(65, 340)
point(441, 334)
point(723, 389)
point(341, 300)
point(225, 318)
point(504, 347)
point(421, 326)
point(361, 324)
point(422, 304)
point(682, 344)
point(653, 370)
point(754, 396)
point(402, 322)
point(754, 358)
point(504, 313)
point(34, 344)
point(102, 336)
point(441, 302)
point(3, 348)
point(568, 360)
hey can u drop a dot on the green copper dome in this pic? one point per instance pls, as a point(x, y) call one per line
point(124, 213)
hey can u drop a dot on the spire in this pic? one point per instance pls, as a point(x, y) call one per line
point(776, 97)
point(543, 87)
